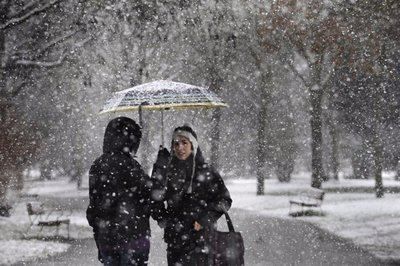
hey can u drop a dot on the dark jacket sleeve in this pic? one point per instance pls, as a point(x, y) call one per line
point(159, 174)
point(219, 202)
point(159, 181)
point(155, 193)
point(103, 195)
point(157, 207)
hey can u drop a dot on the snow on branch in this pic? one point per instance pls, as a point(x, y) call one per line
point(41, 63)
point(18, 20)
point(329, 70)
point(297, 73)
point(23, 9)
point(58, 62)
point(54, 42)
point(16, 91)
point(83, 42)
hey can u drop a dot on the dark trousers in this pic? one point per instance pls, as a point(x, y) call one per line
point(135, 252)
point(177, 256)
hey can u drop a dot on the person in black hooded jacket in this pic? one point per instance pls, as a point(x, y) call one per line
point(196, 197)
point(122, 197)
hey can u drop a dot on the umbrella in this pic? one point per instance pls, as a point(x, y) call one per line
point(162, 95)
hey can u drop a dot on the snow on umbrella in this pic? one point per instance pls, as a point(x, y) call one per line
point(162, 95)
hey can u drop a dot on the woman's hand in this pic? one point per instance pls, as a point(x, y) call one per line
point(197, 226)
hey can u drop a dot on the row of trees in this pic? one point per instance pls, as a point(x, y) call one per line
point(327, 47)
point(36, 39)
point(277, 63)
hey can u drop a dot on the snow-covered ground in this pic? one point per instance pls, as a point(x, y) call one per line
point(359, 216)
point(20, 242)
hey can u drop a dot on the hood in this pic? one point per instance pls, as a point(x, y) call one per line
point(122, 135)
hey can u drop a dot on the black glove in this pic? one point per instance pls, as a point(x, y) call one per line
point(162, 157)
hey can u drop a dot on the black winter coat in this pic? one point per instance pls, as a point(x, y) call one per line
point(122, 196)
point(205, 204)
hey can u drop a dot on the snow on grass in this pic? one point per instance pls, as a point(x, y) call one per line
point(358, 216)
point(367, 221)
point(19, 241)
point(57, 187)
point(27, 250)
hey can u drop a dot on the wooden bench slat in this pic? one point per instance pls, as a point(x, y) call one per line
point(305, 203)
point(53, 222)
point(311, 198)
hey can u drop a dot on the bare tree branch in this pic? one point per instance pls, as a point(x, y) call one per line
point(329, 71)
point(42, 63)
point(23, 9)
point(54, 42)
point(16, 91)
point(294, 70)
point(40, 51)
point(52, 63)
point(19, 20)
point(83, 42)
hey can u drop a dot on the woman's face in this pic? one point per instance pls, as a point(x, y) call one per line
point(182, 147)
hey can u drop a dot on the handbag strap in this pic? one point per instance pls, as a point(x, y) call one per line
point(229, 222)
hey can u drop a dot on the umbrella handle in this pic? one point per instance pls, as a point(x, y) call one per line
point(162, 127)
point(140, 116)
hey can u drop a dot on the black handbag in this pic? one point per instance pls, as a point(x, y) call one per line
point(226, 248)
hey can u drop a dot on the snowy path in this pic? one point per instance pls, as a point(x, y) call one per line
point(268, 241)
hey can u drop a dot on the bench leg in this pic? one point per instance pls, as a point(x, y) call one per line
point(40, 231)
point(300, 210)
point(292, 211)
point(68, 229)
point(28, 229)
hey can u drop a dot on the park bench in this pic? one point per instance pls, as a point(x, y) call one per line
point(42, 217)
point(307, 200)
point(29, 196)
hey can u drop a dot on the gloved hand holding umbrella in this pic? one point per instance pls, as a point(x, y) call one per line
point(163, 157)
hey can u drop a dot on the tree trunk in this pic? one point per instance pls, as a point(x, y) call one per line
point(140, 78)
point(215, 137)
point(316, 137)
point(261, 149)
point(261, 131)
point(377, 149)
point(333, 132)
point(3, 105)
point(77, 160)
point(3, 76)
point(215, 86)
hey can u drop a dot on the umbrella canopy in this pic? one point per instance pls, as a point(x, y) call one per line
point(161, 95)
